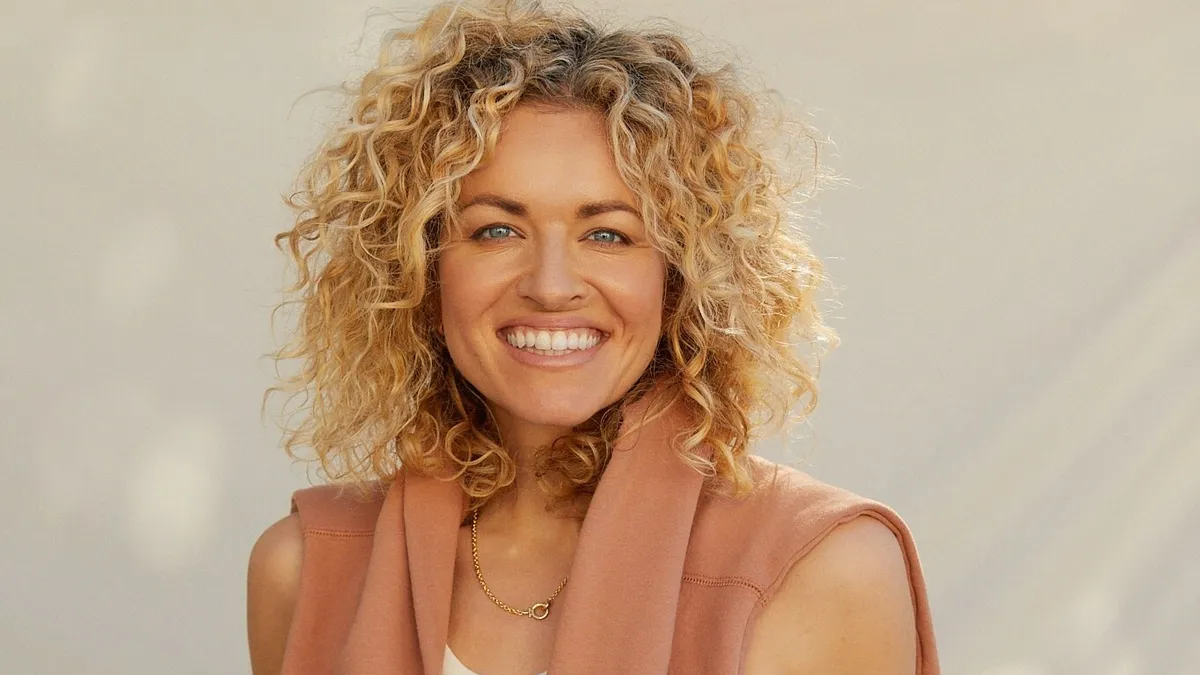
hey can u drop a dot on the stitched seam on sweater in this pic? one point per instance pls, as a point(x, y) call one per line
point(724, 581)
point(339, 534)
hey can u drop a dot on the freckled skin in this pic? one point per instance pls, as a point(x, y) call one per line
point(550, 261)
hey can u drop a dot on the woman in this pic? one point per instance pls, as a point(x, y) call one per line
point(546, 287)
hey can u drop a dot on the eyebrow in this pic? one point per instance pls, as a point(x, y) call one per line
point(587, 210)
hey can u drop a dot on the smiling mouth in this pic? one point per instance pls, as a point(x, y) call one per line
point(543, 343)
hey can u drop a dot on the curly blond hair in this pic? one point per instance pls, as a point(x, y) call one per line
point(380, 389)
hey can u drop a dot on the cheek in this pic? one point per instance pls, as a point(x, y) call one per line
point(642, 297)
point(458, 321)
point(459, 294)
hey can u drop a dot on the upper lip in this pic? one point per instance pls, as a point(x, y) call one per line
point(552, 323)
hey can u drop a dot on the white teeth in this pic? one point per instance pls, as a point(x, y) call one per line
point(552, 341)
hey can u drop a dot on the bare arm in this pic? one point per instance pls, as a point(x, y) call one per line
point(846, 608)
point(273, 579)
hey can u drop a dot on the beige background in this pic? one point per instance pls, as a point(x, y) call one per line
point(1019, 264)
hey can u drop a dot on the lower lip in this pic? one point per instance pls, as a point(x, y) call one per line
point(572, 358)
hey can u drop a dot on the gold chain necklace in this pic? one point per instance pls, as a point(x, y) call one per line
point(539, 610)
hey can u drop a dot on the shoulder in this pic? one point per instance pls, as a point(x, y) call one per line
point(279, 548)
point(858, 566)
point(273, 582)
point(340, 508)
point(842, 600)
point(761, 535)
point(333, 514)
point(846, 607)
point(781, 495)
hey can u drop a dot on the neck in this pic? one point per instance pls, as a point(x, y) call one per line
point(523, 509)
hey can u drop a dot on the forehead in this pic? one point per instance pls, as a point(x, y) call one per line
point(549, 155)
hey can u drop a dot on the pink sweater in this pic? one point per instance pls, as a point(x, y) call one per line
point(664, 580)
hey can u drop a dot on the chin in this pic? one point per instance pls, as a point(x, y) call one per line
point(565, 410)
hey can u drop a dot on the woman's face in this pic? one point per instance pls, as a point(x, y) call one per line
point(551, 293)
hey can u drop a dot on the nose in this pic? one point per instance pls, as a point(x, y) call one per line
point(553, 276)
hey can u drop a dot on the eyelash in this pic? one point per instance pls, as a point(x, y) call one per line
point(478, 235)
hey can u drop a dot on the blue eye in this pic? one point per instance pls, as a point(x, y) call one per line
point(479, 233)
point(609, 242)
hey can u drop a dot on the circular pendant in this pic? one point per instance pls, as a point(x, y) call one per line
point(540, 611)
